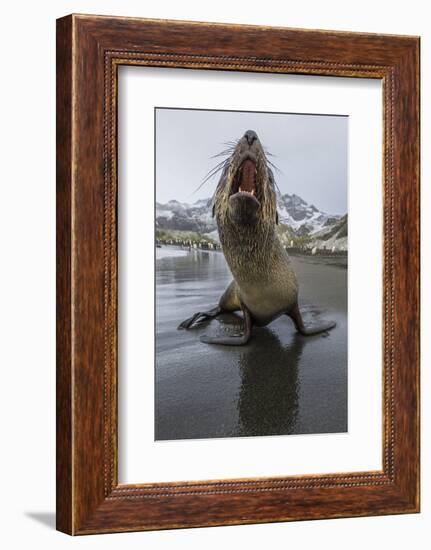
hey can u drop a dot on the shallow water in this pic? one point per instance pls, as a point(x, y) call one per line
point(279, 383)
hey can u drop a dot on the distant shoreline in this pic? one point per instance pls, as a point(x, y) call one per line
point(306, 253)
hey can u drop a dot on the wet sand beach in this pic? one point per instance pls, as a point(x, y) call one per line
point(280, 383)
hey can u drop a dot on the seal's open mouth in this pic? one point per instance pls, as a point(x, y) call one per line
point(245, 180)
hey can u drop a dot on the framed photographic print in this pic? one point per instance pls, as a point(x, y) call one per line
point(237, 274)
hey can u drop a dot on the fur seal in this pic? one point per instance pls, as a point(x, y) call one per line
point(264, 284)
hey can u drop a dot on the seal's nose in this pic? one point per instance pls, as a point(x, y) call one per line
point(250, 136)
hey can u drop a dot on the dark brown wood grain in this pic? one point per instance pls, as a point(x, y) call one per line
point(64, 288)
point(89, 51)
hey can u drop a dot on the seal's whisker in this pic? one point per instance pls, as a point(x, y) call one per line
point(224, 153)
point(212, 173)
point(216, 169)
point(233, 143)
point(269, 154)
point(276, 168)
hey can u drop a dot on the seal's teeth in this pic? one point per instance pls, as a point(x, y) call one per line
point(252, 192)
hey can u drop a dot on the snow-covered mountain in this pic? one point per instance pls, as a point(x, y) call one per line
point(303, 218)
point(332, 237)
point(179, 216)
point(297, 219)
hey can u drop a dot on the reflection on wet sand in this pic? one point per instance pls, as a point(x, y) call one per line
point(280, 383)
point(268, 396)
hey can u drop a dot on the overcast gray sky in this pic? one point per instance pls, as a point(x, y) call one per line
point(310, 151)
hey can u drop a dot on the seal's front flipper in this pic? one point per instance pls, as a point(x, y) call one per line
point(310, 328)
point(225, 340)
point(232, 340)
point(200, 316)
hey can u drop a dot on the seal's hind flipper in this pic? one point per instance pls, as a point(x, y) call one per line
point(239, 340)
point(317, 327)
point(311, 328)
point(200, 316)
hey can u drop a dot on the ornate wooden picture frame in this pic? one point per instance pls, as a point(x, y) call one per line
point(89, 51)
